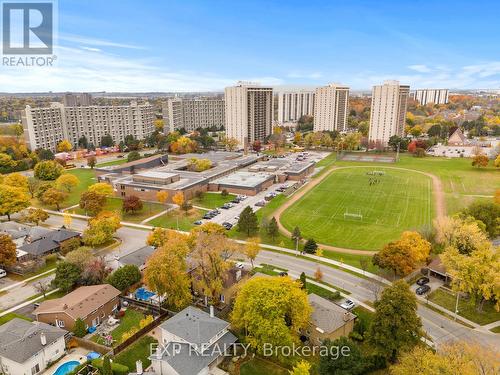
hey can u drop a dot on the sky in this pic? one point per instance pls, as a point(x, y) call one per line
point(192, 45)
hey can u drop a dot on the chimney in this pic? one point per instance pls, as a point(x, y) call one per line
point(138, 367)
point(43, 339)
point(212, 315)
point(346, 317)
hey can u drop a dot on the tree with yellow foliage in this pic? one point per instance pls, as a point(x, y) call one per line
point(464, 234)
point(497, 161)
point(64, 146)
point(252, 249)
point(16, 180)
point(166, 272)
point(404, 255)
point(102, 188)
point(301, 368)
point(67, 182)
point(459, 357)
point(230, 143)
point(475, 273)
point(162, 196)
point(271, 310)
point(178, 199)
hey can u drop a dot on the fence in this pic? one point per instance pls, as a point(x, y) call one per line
point(90, 345)
point(155, 323)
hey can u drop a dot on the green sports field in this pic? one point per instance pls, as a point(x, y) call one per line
point(401, 200)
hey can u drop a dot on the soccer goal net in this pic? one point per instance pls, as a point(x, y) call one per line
point(353, 216)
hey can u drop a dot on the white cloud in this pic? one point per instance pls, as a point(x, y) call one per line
point(420, 68)
point(91, 69)
point(78, 39)
point(92, 49)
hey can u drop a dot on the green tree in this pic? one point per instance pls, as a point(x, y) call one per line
point(124, 277)
point(7, 250)
point(107, 141)
point(311, 246)
point(106, 366)
point(272, 228)
point(344, 358)
point(396, 326)
point(248, 222)
point(67, 275)
point(12, 200)
point(79, 329)
point(301, 368)
point(271, 310)
point(296, 235)
point(48, 170)
point(488, 213)
point(303, 280)
point(133, 156)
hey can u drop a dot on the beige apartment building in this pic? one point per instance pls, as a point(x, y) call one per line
point(388, 111)
point(426, 96)
point(292, 105)
point(46, 127)
point(191, 114)
point(249, 112)
point(331, 108)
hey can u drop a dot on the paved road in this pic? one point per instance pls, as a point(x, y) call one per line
point(22, 292)
point(438, 327)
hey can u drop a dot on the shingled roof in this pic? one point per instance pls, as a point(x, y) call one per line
point(327, 315)
point(81, 302)
point(20, 340)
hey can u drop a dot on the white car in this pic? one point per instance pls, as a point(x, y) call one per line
point(239, 265)
point(348, 304)
point(2, 273)
point(242, 197)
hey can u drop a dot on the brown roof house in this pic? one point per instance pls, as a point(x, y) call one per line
point(93, 304)
point(328, 320)
point(457, 138)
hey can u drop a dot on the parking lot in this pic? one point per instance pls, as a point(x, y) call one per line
point(230, 215)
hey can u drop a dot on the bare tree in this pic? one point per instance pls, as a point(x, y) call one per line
point(42, 287)
point(375, 287)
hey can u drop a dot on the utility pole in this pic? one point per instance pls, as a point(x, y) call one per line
point(456, 306)
point(397, 153)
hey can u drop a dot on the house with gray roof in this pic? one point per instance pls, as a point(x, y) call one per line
point(328, 320)
point(192, 343)
point(27, 348)
point(137, 258)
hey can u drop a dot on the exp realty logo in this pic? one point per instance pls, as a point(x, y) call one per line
point(28, 33)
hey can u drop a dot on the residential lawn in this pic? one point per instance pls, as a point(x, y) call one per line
point(86, 177)
point(399, 201)
point(258, 366)
point(51, 264)
point(462, 182)
point(139, 350)
point(176, 217)
point(212, 200)
point(115, 204)
point(129, 321)
point(466, 308)
point(364, 314)
point(8, 317)
point(322, 292)
point(496, 329)
point(112, 162)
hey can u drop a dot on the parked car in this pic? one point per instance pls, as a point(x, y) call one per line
point(2, 273)
point(227, 225)
point(208, 216)
point(422, 281)
point(227, 206)
point(261, 203)
point(268, 197)
point(237, 218)
point(423, 289)
point(347, 304)
point(198, 222)
point(236, 200)
point(283, 273)
point(242, 197)
point(239, 265)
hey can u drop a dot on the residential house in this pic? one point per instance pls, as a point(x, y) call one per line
point(457, 138)
point(328, 320)
point(137, 258)
point(28, 348)
point(47, 243)
point(233, 278)
point(192, 343)
point(93, 304)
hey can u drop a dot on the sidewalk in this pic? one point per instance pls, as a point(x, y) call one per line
point(25, 281)
point(26, 303)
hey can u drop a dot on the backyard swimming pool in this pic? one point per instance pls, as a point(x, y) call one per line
point(143, 294)
point(66, 367)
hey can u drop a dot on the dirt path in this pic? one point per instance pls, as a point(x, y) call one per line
point(437, 190)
